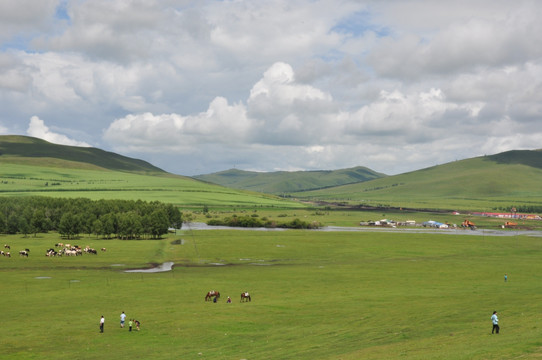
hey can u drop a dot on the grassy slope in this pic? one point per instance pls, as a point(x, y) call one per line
point(315, 295)
point(14, 147)
point(95, 183)
point(478, 183)
point(30, 166)
point(484, 183)
point(284, 182)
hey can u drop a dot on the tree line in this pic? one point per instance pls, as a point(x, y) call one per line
point(122, 219)
point(254, 221)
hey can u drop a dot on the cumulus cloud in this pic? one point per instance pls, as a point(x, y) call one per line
point(37, 128)
point(22, 18)
point(302, 119)
point(279, 111)
point(393, 85)
point(462, 43)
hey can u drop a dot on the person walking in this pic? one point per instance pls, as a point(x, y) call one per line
point(130, 323)
point(505, 278)
point(495, 321)
point(122, 319)
point(102, 322)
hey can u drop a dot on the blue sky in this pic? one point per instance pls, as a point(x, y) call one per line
point(201, 86)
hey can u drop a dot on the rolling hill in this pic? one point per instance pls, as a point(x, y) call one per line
point(30, 166)
point(24, 148)
point(491, 182)
point(34, 167)
point(281, 182)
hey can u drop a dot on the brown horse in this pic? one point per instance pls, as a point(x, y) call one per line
point(210, 295)
point(245, 296)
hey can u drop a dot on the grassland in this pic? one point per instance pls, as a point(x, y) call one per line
point(352, 218)
point(315, 295)
point(59, 179)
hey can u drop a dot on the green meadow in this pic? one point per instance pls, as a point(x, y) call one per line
point(315, 295)
point(476, 184)
point(61, 180)
point(352, 218)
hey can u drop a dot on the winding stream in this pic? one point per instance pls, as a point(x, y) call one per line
point(167, 266)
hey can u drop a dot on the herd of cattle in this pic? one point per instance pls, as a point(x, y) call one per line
point(59, 250)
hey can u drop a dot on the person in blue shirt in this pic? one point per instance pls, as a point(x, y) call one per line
point(495, 321)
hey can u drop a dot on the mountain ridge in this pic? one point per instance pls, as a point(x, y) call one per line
point(13, 147)
point(289, 181)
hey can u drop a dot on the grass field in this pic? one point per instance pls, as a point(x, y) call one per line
point(315, 295)
point(95, 184)
point(475, 184)
point(352, 218)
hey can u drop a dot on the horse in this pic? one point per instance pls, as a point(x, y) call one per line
point(245, 296)
point(210, 295)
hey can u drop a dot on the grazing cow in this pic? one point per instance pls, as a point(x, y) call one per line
point(8, 254)
point(70, 252)
point(103, 249)
point(59, 245)
point(51, 252)
point(23, 253)
point(6, 246)
point(2, 253)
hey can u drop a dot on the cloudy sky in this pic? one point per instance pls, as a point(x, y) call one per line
point(201, 86)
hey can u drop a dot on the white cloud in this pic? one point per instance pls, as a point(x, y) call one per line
point(303, 119)
point(463, 41)
point(37, 128)
point(393, 85)
point(21, 18)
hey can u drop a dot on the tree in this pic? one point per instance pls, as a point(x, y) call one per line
point(109, 224)
point(69, 225)
point(97, 227)
point(175, 216)
point(38, 222)
point(24, 226)
point(158, 223)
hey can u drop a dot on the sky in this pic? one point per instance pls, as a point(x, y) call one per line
point(196, 87)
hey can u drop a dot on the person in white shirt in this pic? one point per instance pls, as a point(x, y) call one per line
point(495, 321)
point(102, 322)
point(122, 319)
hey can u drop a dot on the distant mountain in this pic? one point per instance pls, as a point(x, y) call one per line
point(26, 149)
point(280, 182)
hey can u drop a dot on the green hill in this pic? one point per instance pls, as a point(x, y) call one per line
point(281, 182)
point(30, 166)
point(14, 148)
point(33, 167)
point(492, 182)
